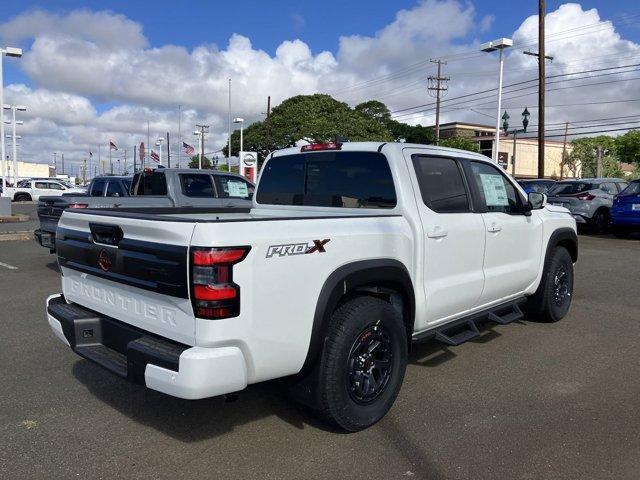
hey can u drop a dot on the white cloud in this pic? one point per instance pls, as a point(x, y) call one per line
point(79, 61)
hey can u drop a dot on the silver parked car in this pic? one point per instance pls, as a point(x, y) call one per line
point(588, 199)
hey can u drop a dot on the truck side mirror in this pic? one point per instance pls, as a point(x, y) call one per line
point(537, 200)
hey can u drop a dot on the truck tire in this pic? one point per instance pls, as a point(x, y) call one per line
point(22, 197)
point(552, 300)
point(362, 364)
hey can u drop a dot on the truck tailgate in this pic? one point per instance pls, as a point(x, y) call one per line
point(133, 270)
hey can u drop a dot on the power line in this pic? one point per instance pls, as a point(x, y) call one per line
point(393, 113)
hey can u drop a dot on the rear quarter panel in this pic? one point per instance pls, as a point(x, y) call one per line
point(279, 293)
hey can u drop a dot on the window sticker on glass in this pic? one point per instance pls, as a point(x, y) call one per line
point(237, 189)
point(495, 193)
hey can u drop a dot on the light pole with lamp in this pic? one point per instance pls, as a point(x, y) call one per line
point(159, 145)
point(14, 108)
point(498, 44)
point(515, 132)
point(16, 53)
point(241, 122)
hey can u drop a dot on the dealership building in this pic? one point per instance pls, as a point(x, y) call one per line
point(26, 169)
point(526, 150)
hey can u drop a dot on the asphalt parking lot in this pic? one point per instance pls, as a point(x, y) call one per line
point(525, 401)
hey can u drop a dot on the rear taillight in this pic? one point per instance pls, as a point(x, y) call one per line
point(214, 295)
point(78, 205)
point(585, 196)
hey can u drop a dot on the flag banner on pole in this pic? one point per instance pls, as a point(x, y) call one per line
point(90, 154)
point(154, 156)
point(188, 149)
point(112, 145)
point(141, 151)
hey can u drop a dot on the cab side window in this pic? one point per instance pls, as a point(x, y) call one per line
point(97, 188)
point(114, 190)
point(495, 190)
point(441, 184)
point(233, 187)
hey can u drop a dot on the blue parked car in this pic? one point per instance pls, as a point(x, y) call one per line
point(625, 212)
point(536, 185)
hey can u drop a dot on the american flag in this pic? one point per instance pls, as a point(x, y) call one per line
point(112, 145)
point(155, 156)
point(188, 149)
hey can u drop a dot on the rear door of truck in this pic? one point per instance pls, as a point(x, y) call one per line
point(131, 269)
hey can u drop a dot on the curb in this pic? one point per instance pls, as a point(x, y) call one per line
point(18, 218)
point(12, 236)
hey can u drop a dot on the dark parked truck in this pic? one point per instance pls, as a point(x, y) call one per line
point(160, 188)
point(349, 255)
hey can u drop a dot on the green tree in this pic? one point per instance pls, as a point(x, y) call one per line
point(195, 162)
point(375, 110)
point(379, 112)
point(461, 143)
point(320, 118)
point(584, 154)
point(628, 147)
point(315, 118)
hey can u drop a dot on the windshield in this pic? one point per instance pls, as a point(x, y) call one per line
point(570, 188)
point(632, 189)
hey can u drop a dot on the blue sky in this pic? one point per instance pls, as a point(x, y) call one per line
point(268, 23)
point(97, 70)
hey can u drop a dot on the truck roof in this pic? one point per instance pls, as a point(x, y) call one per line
point(398, 146)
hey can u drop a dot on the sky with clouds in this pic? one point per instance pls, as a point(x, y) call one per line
point(89, 74)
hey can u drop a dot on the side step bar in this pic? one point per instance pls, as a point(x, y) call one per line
point(464, 329)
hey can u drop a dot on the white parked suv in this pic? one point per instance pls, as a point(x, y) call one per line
point(350, 254)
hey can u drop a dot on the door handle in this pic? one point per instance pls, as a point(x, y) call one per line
point(437, 232)
point(494, 227)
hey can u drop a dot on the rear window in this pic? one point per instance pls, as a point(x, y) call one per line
point(147, 183)
point(328, 179)
point(632, 189)
point(570, 188)
point(197, 185)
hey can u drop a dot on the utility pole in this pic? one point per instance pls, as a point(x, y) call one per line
point(541, 86)
point(63, 163)
point(229, 138)
point(203, 129)
point(563, 162)
point(134, 158)
point(84, 171)
point(168, 152)
point(124, 169)
point(179, 135)
point(599, 153)
point(268, 123)
point(438, 85)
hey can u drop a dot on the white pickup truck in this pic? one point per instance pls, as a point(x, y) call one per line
point(35, 188)
point(350, 253)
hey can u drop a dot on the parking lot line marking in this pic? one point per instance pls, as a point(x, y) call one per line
point(6, 265)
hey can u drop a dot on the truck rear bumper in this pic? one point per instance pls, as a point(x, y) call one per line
point(141, 357)
point(45, 239)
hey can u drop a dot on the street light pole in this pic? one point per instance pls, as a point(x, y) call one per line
point(499, 44)
point(241, 122)
point(515, 132)
point(13, 122)
point(16, 53)
point(159, 145)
